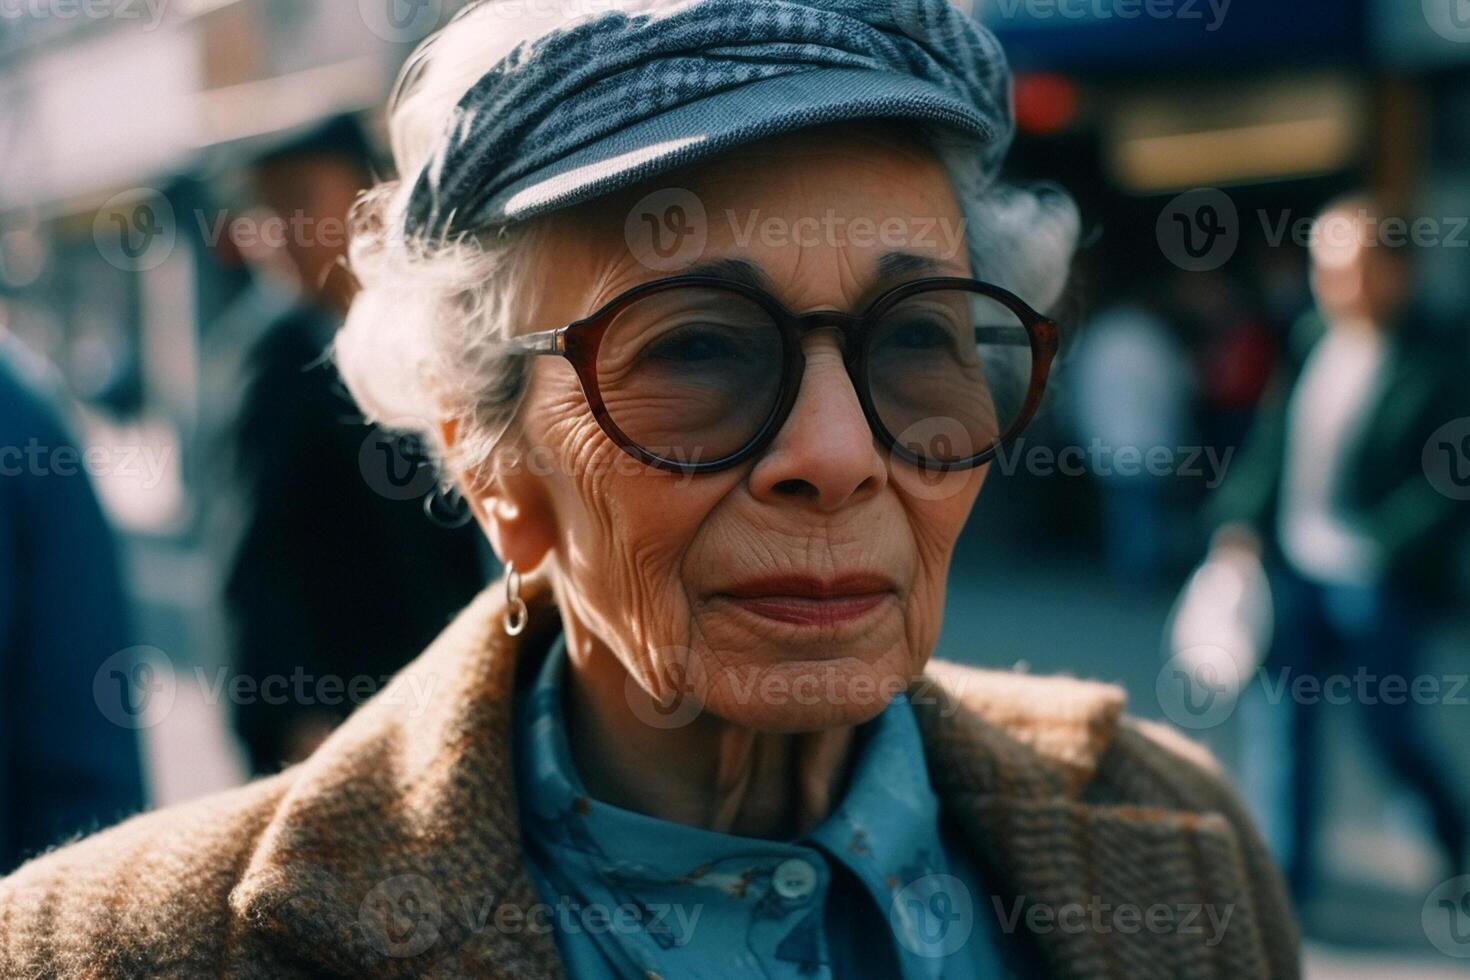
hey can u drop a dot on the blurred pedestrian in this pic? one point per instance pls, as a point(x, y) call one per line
point(1133, 387)
point(1331, 490)
point(65, 767)
point(322, 627)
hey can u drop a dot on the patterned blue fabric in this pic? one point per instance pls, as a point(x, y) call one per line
point(599, 103)
point(876, 890)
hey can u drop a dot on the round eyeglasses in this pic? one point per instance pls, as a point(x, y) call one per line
point(699, 373)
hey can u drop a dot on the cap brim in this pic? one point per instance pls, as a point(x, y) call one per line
point(702, 129)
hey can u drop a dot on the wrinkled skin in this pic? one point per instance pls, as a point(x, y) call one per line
point(638, 557)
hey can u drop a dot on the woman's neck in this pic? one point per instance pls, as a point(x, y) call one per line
point(707, 773)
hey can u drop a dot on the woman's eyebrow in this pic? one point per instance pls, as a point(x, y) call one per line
point(906, 265)
point(743, 271)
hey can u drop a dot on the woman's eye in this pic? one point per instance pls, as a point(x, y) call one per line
point(691, 345)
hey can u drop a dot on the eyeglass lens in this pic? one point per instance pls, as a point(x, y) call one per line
point(694, 374)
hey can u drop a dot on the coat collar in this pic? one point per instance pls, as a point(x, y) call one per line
point(396, 851)
point(1027, 767)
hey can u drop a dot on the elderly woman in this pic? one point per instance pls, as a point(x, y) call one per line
point(715, 313)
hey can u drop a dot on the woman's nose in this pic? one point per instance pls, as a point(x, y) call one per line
point(825, 454)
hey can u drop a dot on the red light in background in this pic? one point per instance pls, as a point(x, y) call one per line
point(1045, 103)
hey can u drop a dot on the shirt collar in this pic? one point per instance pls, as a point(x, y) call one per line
point(886, 827)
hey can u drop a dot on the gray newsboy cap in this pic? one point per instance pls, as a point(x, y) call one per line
point(584, 104)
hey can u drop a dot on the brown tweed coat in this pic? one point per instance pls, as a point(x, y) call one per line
point(393, 851)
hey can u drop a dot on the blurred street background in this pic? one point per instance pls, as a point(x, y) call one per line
point(147, 145)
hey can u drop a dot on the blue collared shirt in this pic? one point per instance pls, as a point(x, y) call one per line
point(876, 890)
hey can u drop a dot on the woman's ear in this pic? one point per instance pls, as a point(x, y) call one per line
point(509, 503)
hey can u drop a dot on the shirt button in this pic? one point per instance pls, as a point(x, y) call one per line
point(794, 879)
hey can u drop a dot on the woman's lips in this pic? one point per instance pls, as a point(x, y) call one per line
point(802, 601)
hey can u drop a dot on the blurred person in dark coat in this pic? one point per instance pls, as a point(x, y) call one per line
point(65, 766)
point(319, 629)
point(1332, 492)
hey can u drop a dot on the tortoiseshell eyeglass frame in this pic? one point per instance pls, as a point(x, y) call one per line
point(580, 341)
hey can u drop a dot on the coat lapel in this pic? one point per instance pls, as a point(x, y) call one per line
point(396, 852)
point(1013, 758)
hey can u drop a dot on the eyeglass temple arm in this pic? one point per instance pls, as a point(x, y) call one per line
point(542, 342)
point(1007, 335)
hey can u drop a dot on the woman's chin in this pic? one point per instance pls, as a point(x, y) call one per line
point(804, 695)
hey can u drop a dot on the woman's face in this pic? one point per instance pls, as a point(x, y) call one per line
point(803, 588)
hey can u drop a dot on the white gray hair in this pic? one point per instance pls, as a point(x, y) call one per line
point(424, 342)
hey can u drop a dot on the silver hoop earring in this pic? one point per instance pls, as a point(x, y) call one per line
point(517, 615)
